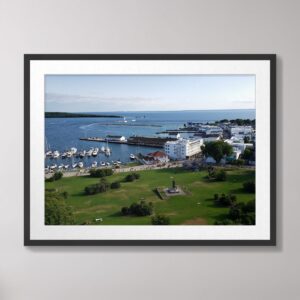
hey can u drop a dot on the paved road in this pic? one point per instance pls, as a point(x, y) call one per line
point(85, 172)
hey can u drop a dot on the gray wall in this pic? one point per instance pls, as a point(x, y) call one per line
point(143, 26)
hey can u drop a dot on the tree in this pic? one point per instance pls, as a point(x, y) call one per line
point(138, 209)
point(246, 139)
point(160, 220)
point(132, 177)
point(101, 172)
point(249, 186)
point(225, 200)
point(57, 212)
point(221, 175)
point(100, 187)
point(217, 149)
point(115, 185)
point(56, 176)
point(249, 154)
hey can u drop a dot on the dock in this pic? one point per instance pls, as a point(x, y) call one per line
point(156, 142)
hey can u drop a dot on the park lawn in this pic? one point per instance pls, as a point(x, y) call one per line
point(196, 207)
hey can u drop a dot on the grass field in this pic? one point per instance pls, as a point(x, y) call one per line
point(196, 207)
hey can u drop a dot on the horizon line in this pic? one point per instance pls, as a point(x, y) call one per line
point(129, 111)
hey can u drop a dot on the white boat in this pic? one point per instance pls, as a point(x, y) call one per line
point(69, 154)
point(80, 164)
point(73, 150)
point(102, 149)
point(102, 163)
point(55, 154)
point(60, 166)
point(49, 153)
point(82, 154)
point(124, 120)
point(74, 166)
point(53, 167)
point(66, 167)
point(107, 150)
point(95, 152)
point(107, 163)
point(132, 156)
point(90, 152)
point(118, 162)
point(94, 164)
point(64, 155)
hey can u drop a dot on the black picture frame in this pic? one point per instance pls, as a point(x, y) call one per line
point(31, 57)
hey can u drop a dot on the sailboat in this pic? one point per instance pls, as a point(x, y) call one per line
point(107, 150)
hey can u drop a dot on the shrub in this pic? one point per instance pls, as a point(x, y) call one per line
point(100, 187)
point(238, 162)
point(226, 200)
point(220, 175)
point(132, 177)
point(249, 186)
point(129, 178)
point(138, 209)
point(136, 175)
point(115, 185)
point(160, 220)
point(101, 172)
point(56, 176)
point(125, 211)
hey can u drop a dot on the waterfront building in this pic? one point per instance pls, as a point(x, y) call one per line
point(183, 148)
point(156, 157)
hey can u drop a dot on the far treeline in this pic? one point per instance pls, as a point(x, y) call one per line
point(239, 122)
point(77, 115)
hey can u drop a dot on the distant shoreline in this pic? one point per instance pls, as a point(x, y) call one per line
point(77, 115)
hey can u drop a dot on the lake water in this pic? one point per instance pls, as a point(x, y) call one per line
point(63, 133)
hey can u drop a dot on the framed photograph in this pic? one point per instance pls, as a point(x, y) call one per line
point(150, 149)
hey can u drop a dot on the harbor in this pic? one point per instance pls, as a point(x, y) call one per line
point(73, 144)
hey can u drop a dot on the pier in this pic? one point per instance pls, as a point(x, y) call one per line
point(156, 142)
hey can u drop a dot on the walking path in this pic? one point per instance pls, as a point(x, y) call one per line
point(85, 172)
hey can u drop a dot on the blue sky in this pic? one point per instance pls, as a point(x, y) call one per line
point(106, 93)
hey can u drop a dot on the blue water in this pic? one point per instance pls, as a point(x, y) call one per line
point(64, 133)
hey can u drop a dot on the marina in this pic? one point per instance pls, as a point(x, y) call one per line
point(95, 142)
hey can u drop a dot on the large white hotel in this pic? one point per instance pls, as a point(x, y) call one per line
point(183, 148)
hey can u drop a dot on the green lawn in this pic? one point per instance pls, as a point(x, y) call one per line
point(196, 207)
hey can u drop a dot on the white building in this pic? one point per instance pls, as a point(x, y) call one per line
point(238, 146)
point(241, 131)
point(183, 148)
point(156, 157)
